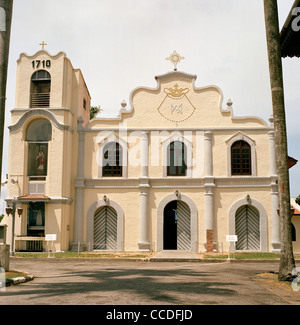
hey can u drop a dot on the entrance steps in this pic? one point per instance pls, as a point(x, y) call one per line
point(175, 256)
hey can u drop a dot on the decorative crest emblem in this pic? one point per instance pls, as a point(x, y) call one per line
point(176, 92)
point(176, 106)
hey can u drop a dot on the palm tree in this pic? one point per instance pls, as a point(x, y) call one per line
point(287, 262)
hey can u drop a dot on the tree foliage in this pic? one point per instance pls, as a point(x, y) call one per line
point(94, 111)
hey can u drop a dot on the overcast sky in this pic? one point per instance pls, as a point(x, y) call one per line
point(122, 44)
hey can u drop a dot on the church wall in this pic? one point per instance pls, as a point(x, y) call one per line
point(262, 154)
point(57, 84)
point(55, 164)
point(155, 159)
point(82, 94)
point(24, 73)
point(134, 155)
point(220, 159)
point(90, 162)
point(67, 175)
point(16, 169)
point(58, 222)
point(69, 81)
point(16, 115)
point(53, 222)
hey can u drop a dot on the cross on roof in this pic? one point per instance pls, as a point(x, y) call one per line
point(175, 58)
point(43, 45)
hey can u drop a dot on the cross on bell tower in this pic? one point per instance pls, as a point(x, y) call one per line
point(43, 45)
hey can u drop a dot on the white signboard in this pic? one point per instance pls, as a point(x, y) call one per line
point(231, 238)
point(51, 237)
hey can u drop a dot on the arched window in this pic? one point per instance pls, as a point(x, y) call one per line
point(240, 158)
point(112, 160)
point(40, 89)
point(38, 134)
point(176, 159)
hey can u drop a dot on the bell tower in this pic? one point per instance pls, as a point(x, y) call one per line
point(51, 96)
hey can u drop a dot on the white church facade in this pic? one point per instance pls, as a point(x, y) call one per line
point(175, 170)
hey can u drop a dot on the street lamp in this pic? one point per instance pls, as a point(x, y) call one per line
point(11, 209)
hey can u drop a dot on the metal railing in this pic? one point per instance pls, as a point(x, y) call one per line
point(34, 245)
point(40, 100)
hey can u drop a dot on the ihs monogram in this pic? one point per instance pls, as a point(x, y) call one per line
point(176, 108)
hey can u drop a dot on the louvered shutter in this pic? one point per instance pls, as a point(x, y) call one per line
point(247, 228)
point(105, 229)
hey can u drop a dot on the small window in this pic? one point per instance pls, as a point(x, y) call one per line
point(84, 103)
point(240, 158)
point(112, 158)
point(176, 159)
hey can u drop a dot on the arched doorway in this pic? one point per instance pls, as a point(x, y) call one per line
point(105, 229)
point(177, 226)
point(247, 228)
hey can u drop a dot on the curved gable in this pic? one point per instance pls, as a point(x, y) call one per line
point(177, 102)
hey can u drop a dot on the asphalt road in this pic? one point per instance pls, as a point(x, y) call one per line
point(102, 282)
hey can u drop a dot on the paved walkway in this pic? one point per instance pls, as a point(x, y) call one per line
point(82, 281)
point(175, 255)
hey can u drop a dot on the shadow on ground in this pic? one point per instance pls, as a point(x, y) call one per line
point(152, 286)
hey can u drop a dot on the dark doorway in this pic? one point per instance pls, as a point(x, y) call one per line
point(170, 226)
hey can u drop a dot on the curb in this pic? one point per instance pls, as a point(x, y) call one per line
point(150, 259)
point(185, 260)
point(215, 260)
point(18, 280)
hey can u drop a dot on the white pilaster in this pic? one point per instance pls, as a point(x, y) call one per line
point(79, 191)
point(209, 182)
point(144, 233)
point(209, 207)
point(208, 156)
point(273, 165)
point(144, 154)
point(276, 238)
